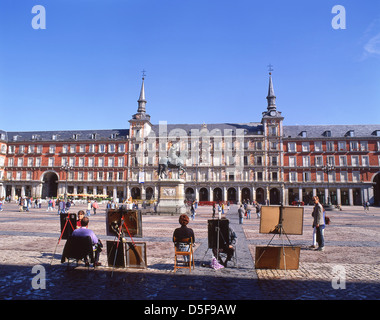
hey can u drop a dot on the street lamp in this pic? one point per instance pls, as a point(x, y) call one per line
point(328, 168)
point(66, 168)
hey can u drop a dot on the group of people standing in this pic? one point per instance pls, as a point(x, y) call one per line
point(220, 208)
point(246, 209)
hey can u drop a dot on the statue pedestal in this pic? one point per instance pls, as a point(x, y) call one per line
point(171, 197)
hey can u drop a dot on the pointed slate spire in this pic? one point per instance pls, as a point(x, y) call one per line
point(271, 97)
point(142, 101)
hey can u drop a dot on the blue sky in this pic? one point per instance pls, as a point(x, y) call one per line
point(205, 61)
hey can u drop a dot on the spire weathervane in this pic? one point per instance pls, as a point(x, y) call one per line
point(270, 68)
point(143, 74)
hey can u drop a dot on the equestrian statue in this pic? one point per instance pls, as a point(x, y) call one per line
point(172, 161)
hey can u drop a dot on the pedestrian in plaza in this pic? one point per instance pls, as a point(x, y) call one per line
point(319, 223)
point(50, 205)
point(327, 219)
point(88, 211)
point(258, 209)
point(366, 206)
point(249, 208)
point(84, 231)
point(213, 210)
point(61, 206)
point(192, 210)
point(219, 211)
point(68, 205)
point(241, 214)
point(25, 204)
point(95, 206)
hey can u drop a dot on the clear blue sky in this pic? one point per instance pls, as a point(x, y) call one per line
point(205, 60)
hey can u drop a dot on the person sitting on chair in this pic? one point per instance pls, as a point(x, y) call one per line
point(83, 231)
point(230, 250)
point(183, 233)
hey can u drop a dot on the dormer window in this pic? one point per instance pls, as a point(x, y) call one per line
point(75, 136)
point(327, 133)
point(303, 134)
point(351, 133)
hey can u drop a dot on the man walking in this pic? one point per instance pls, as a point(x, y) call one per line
point(241, 214)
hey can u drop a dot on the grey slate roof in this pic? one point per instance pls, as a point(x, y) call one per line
point(319, 131)
point(252, 128)
point(82, 135)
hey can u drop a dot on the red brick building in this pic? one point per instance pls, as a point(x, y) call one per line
point(265, 161)
point(340, 161)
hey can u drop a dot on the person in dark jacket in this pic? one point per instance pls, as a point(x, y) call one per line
point(183, 233)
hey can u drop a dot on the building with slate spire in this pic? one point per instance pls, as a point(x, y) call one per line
point(264, 161)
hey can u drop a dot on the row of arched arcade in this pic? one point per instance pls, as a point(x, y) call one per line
point(341, 194)
point(231, 194)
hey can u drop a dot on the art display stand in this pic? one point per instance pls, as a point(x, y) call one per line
point(273, 220)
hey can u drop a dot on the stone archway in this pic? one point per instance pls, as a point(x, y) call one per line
point(231, 195)
point(274, 195)
point(136, 193)
point(218, 194)
point(245, 195)
point(190, 194)
point(50, 185)
point(260, 195)
point(203, 194)
point(149, 193)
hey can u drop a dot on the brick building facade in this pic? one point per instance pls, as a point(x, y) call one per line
point(262, 161)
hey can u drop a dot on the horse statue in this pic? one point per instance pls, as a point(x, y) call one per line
point(172, 161)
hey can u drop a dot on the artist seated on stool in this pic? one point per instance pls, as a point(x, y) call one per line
point(182, 233)
point(230, 250)
point(83, 231)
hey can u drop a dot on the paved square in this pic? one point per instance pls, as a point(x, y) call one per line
point(351, 258)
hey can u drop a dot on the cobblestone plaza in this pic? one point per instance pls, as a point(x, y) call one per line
point(352, 242)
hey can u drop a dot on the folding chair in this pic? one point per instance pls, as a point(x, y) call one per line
point(189, 253)
point(78, 248)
